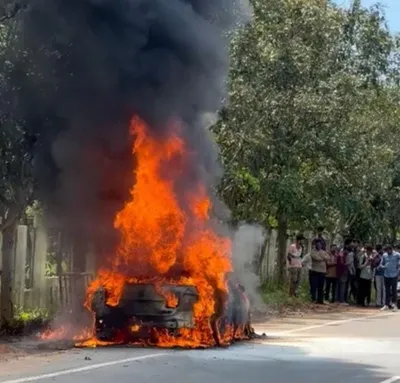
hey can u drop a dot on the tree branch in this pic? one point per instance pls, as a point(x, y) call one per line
point(16, 210)
point(12, 11)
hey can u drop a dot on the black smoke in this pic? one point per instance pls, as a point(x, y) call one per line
point(82, 68)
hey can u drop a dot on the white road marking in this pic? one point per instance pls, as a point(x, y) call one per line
point(342, 348)
point(391, 380)
point(321, 325)
point(82, 369)
point(333, 323)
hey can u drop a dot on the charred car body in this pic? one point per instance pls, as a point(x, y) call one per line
point(143, 308)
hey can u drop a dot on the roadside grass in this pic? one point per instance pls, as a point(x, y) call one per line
point(26, 322)
point(278, 299)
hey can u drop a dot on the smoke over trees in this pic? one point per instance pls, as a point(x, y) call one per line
point(82, 69)
point(73, 73)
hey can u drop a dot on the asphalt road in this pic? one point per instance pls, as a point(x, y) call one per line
point(331, 349)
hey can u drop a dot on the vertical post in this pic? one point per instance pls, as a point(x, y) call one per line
point(265, 258)
point(272, 253)
point(307, 249)
point(39, 266)
point(7, 276)
point(83, 280)
point(308, 246)
point(91, 260)
point(288, 243)
point(20, 265)
point(282, 246)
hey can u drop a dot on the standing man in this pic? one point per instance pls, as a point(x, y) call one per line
point(342, 277)
point(377, 265)
point(390, 264)
point(295, 265)
point(320, 238)
point(359, 253)
point(351, 269)
point(319, 258)
point(365, 279)
point(331, 275)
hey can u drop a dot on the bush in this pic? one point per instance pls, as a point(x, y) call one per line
point(26, 322)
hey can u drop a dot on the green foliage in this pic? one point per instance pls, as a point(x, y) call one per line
point(16, 144)
point(277, 297)
point(311, 132)
point(26, 322)
point(26, 316)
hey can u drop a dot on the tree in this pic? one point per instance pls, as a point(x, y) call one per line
point(16, 165)
point(302, 128)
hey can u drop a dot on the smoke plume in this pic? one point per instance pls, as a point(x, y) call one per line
point(246, 246)
point(83, 68)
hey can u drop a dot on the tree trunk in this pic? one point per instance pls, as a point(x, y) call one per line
point(282, 248)
point(261, 269)
point(6, 303)
point(394, 233)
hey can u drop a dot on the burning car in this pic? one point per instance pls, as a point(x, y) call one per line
point(170, 281)
point(145, 311)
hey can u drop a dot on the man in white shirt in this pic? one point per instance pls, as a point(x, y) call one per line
point(295, 265)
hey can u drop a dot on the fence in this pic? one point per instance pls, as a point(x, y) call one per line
point(60, 292)
point(32, 288)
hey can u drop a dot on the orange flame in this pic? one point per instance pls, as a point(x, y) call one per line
point(55, 334)
point(135, 328)
point(171, 300)
point(165, 238)
point(66, 332)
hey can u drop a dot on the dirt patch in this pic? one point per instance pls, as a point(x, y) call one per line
point(305, 310)
point(19, 347)
point(264, 314)
point(312, 308)
point(8, 352)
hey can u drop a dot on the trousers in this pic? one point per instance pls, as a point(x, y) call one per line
point(330, 284)
point(317, 281)
point(364, 292)
point(294, 280)
point(391, 291)
point(380, 290)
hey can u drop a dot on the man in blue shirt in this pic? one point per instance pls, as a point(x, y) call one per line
point(390, 264)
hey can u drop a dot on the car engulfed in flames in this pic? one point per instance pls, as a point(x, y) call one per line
point(146, 315)
point(170, 281)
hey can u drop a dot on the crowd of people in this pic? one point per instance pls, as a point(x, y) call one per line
point(346, 274)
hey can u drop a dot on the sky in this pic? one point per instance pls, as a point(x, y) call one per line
point(392, 8)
